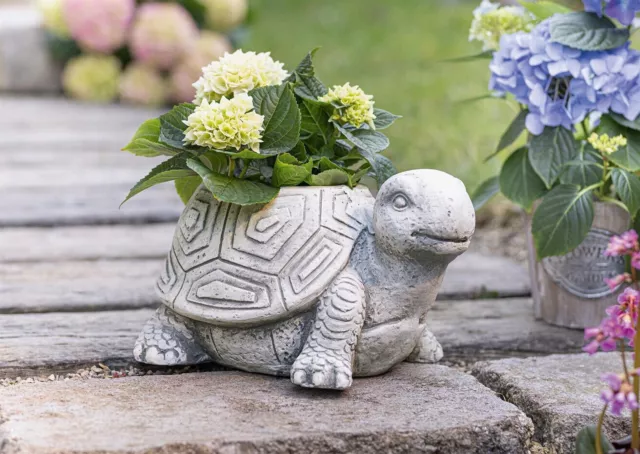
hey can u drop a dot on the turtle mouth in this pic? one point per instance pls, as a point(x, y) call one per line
point(440, 239)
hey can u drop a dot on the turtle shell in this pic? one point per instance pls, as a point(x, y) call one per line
point(235, 265)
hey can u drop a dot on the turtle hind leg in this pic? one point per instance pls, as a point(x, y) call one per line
point(167, 339)
point(327, 357)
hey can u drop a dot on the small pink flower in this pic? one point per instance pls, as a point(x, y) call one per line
point(635, 260)
point(619, 393)
point(626, 243)
point(601, 340)
point(616, 281)
point(99, 25)
point(162, 33)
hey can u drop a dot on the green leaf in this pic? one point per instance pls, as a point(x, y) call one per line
point(366, 139)
point(186, 186)
point(544, 9)
point(62, 49)
point(551, 150)
point(332, 177)
point(621, 120)
point(586, 441)
point(288, 171)
point(586, 31)
point(628, 188)
point(281, 118)
point(315, 120)
point(585, 170)
point(244, 154)
point(233, 190)
point(384, 119)
point(307, 86)
point(171, 169)
point(485, 55)
point(627, 157)
point(299, 152)
point(172, 125)
point(216, 161)
point(562, 220)
point(485, 192)
point(383, 168)
point(145, 141)
point(514, 131)
point(519, 182)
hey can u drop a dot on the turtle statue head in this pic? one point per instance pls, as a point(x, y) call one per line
point(422, 213)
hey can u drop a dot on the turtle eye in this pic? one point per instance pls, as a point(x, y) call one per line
point(400, 202)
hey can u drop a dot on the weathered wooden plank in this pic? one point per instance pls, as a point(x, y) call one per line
point(481, 329)
point(468, 331)
point(69, 116)
point(90, 204)
point(78, 286)
point(85, 243)
point(32, 344)
point(474, 275)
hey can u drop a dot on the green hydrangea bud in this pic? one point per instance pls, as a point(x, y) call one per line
point(356, 106)
point(92, 78)
point(491, 21)
point(53, 17)
point(224, 15)
point(141, 84)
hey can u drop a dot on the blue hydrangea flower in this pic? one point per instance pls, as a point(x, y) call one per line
point(560, 85)
point(622, 10)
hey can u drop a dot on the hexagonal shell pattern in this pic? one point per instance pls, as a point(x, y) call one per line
point(237, 265)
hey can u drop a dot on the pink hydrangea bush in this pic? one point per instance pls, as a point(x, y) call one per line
point(210, 46)
point(162, 33)
point(99, 25)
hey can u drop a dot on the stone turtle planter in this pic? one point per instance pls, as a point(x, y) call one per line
point(569, 290)
point(322, 284)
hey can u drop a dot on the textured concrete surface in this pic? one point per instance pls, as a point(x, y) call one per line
point(560, 393)
point(413, 409)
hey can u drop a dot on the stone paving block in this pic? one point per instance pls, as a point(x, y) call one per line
point(25, 63)
point(413, 409)
point(560, 393)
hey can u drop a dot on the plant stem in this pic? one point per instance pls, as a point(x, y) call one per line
point(599, 430)
point(624, 360)
point(232, 167)
point(635, 435)
point(245, 167)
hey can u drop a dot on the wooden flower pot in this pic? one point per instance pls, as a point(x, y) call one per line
point(569, 290)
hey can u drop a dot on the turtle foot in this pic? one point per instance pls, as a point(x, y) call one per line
point(318, 367)
point(167, 340)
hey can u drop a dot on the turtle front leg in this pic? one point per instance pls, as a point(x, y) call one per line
point(167, 340)
point(428, 349)
point(327, 357)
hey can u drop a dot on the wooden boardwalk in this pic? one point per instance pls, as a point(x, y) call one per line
point(77, 272)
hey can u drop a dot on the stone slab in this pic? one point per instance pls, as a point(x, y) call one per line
point(25, 63)
point(482, 329)
point(90, 204)
point(41, 344)
point(560, 393)
point(407, 410)
point(78, 286)
point(475, 275)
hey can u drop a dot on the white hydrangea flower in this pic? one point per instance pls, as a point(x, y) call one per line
point(238, 73)
point(491, 21)
point(228, 124)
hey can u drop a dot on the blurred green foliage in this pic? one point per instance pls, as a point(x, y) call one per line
point(394, 49)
